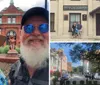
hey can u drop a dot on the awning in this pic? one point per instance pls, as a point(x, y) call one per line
point(94, 11)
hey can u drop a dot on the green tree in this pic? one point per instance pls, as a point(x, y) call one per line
point(86, 51)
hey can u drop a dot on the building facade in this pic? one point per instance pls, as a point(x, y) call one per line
point(64, 63)
point(10, 22)
point(65, 12)
point(69, 66)
point(57, 62)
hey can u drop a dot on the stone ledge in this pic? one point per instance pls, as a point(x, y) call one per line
point(8, 59)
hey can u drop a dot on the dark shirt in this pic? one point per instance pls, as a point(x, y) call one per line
point(19, 75)
point(73, 26)
point(79, 26)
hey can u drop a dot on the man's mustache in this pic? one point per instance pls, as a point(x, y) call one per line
point(34, 38)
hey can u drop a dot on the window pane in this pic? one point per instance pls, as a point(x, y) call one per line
point(73, 18)
point(9, 20)
point(13, 20)
point(52, 17)
point(77, 18)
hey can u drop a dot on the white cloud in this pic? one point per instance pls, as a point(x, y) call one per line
point(23, 4)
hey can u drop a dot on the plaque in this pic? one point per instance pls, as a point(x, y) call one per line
point(75, 7)
point(84, 17)
point(65, 17)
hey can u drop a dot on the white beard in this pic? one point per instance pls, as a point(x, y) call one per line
point(34, 57)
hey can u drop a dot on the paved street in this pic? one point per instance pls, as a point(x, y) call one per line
point(77, 78)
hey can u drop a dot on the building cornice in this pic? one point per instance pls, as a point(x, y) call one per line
point(10, 24)
point(10, 14)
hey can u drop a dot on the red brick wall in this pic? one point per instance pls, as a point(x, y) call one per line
point(15, 27)
point(12, 9)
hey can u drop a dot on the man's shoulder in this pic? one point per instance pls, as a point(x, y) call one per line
point(20, 61)
point(13, 66)
point(42, 73)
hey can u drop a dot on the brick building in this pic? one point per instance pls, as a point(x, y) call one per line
point(10, 19)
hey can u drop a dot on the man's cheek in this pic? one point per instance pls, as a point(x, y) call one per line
point(25, 37)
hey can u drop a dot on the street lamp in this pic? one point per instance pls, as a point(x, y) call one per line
point(45, 4)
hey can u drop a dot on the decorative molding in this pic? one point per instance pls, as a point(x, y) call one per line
point(11, 14)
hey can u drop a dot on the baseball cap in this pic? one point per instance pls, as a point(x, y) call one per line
point(39, 11)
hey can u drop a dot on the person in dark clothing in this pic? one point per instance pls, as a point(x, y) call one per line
point(79, 27)
point(33, 66)
point(75, 31)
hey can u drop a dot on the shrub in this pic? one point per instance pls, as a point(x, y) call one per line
point(95, 82)
point(6, 49)
point(56, 73)
point(17, 49)
point(74, 82)
point(82, 82)
point(1, 50)
point(67, 82)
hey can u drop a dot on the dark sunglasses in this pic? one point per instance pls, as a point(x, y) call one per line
point(43, 28)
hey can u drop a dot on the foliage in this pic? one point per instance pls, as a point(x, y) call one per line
point(94, 67)
point(1, 50)
point(4, 50)
point(87, 51)
point(78, 69)
point(75, 69)
point(17, 49)
point(56, 73)
point(77, 52)
point(84, 51)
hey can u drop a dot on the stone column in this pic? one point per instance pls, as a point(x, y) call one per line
point(60, 17)
point(90, 19)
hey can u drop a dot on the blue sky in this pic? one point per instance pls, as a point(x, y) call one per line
point(66, 52)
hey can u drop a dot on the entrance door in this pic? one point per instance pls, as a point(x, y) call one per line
point(98, 24)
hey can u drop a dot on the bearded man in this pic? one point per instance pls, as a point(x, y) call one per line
point(33, 67)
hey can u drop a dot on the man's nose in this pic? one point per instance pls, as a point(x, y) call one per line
point(36, 32)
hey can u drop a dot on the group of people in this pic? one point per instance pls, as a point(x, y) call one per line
point(76, 29)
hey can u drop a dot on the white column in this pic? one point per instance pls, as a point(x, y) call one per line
point(90, 19)
point(60, 17)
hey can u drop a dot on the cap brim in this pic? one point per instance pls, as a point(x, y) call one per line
point(2, 39)
point(35, 11)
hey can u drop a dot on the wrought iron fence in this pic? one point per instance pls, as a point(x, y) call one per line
point(66, 82)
